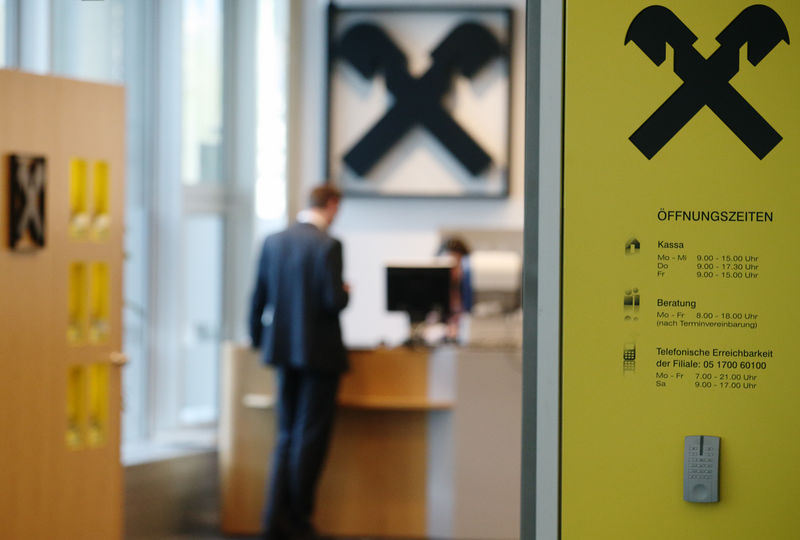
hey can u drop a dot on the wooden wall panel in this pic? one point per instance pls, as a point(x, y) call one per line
point(246, 438)
point(375, 479)
point(49, 489)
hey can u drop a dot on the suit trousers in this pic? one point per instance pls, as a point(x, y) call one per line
point(306, 406)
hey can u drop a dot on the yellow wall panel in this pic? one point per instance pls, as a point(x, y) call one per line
point(714, 329)
point(76, 407)
point(97, 397)
point(99, 302)
point(78, 198)
point(102, 200)
point(77, 306)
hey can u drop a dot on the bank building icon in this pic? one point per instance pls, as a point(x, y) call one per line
point(632, 246)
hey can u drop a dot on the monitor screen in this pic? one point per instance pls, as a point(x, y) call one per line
point(418, 290)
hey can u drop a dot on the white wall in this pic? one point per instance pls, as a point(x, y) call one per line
point(375, 230)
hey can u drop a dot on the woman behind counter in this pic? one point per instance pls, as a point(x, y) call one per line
point(460, 283)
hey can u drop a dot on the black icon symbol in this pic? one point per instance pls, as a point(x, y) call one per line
point(632, 247)
point(467, 49)
point(630, 304)
point(631, 300)
point(26, 201)
point(629, 357)
point(705, 81)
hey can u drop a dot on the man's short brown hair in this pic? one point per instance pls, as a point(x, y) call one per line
point(320, 196)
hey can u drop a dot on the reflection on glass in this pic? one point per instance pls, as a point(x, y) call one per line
point(202, 91)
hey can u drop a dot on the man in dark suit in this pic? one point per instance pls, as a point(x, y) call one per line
point(294, 318)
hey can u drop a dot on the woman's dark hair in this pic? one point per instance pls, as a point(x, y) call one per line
point(453, 244)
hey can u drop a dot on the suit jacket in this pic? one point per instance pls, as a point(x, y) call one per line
point(294, 314)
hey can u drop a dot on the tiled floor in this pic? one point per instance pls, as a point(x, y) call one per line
point(207, 536)
point(176, 499)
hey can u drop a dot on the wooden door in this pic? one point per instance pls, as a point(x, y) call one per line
point(60, 308)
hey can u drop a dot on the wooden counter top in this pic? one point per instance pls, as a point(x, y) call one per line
point(382, 379)
point(394, 403)
point(393, 379)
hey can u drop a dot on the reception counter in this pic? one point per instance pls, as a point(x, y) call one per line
point(426, 443)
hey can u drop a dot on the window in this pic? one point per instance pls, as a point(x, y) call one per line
point(89, 41)
point(202, 91)
point(206, 124)
point(273, 38)
point(233, 152)
point(201, 303)
point(4, 37)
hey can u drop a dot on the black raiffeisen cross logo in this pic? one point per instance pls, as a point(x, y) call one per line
point(26, 202)
point(706, 81)
point(466, 49)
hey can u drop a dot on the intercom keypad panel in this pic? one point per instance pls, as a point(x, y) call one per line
point(701, 469)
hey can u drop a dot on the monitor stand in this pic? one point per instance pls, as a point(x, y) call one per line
point(416, 335)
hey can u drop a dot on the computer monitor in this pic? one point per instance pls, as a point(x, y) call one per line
point(418, 290)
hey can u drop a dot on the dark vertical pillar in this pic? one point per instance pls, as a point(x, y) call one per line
point(531, 264)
